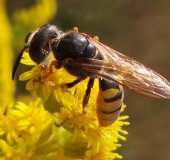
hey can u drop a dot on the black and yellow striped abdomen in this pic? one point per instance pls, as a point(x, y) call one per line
point(109, 102)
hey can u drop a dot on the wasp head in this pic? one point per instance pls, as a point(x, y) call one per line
point(39, 44)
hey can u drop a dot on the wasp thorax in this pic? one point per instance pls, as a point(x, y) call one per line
point(73, 45)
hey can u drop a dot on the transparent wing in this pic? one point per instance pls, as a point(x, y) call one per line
point(126, 71)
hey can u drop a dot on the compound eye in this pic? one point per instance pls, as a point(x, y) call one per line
point(27, 37)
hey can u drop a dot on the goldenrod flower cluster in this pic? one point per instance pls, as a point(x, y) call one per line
point(6, 55)
point(53, 126)
point(40, 13)
point(61, 130)
point(26, 131)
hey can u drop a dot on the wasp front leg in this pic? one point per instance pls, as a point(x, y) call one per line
point(46, 71)
point(49, 70)
point(55, 64)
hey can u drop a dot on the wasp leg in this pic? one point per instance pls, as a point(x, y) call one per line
point(55, 64)
point(87, 94)
point(50, 71)
point(71, 84)
point(60, 124)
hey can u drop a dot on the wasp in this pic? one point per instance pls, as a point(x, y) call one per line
point(83, 56)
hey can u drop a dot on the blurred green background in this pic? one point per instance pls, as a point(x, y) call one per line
point(139, 29)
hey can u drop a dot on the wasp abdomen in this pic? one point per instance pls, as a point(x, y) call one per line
point(109, 102)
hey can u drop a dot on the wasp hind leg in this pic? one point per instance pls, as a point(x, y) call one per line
point(87, 94)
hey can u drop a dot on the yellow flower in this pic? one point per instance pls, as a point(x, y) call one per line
point(45, 77)
point(28, 132)
point(34, 16)
point(6, 54)
point(80, 135)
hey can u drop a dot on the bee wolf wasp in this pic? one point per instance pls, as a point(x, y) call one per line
point(83, 56)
